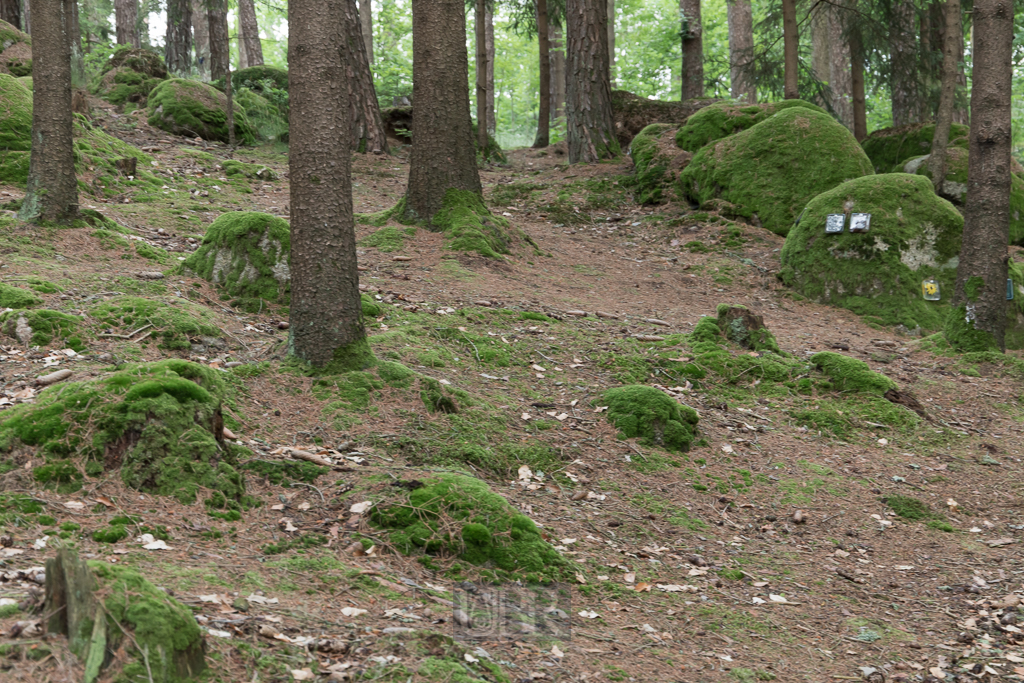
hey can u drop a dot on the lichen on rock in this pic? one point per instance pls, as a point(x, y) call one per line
point(193, 109)
point(722, 119)
point(652, 415)
point(889, 148)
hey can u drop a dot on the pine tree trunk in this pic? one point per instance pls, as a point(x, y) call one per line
point(366, 27)
point(26, 17)
point(367, 128)
point(489, 42)
point(588, 106)
point(480, 25)
point(693, 49)
point(10, 11)
point(243, 59)
point(947, 96)
point(178, 44)
point(52, 191)
point(820, 49)
point(977, 321)
point(77, 56)
point(611, 42)
point(961, 115)
point(201, 33)
point(903, 64)
point(558, 76)
point(741, 50)
point(860, 112)
point(839, 67)
point(142, 24)
point(220, 52)
point(250, 33)
point(791, 44)
point(326, 313)
point(126, 21)
point(443, 155)
point(544, 99)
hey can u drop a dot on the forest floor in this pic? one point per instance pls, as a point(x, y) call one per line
point(689, 567)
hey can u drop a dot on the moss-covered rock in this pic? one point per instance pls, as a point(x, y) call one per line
point(632, 113)
point(268, 121)
point(176, 322)
point(139, 60)
point(770, 171)
point(744, 327)
point(193, 109)
point(888, 148)
point(15, 51)
point(234, 167)
point(16, 297)
point(656, 161)
point(914, 236)
point(123, 86)
point(851, 375)
point(461, 516)
point(41, 326)
point(640, 411)
point(25, 81)
point(722, 119)
point(256, 78)
point(245, 254)
point(15, 129)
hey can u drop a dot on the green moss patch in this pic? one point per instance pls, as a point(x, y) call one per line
point(16, 297)
point(917, 511)
point(15, 51)
point(123, 86)
point(722, 119)
point(175, 321)
point(45, 326)
point(770, 171)
point(652, 415)
point(140, 60)
point(914, 236)
point(192, 109)
point(745, 328)
point(492, 152)
point(235, 168)
point(851, 375)
point(266, 118)
point(460, 516)
point(469, 226)
point(655, 163)
point(388, 238)
point(890, 147)
point(15, 115)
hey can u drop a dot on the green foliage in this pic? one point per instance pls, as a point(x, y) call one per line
point(16, 297)
point(469, 226)
point(722, 119)
point(192, 108)
point(175, 321)
point(851, 375)
point(891, 147)
point(774, 168)
point(652, 415)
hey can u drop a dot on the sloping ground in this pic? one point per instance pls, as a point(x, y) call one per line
point(909, 526)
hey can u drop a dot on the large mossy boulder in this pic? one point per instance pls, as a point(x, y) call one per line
point(656, 162)
point(258, 78)
point(139, 60)
point(914, 236)
point(770, 171)
point(15, 129)
point(657, 419)
point(129, 76)
point(15, 51)
point(269, 122)
point(888, 148)
point(196, 109)
point(722, 119)
point(245, 254)
point(632, 113)
point(458, 515)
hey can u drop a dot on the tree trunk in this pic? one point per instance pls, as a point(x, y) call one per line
point(611, 42)
point(326, 313)
point(588, 107)
point(480, 25)
point(201, 32)
point(52, 192)
point(10, 11)
point(947, 96)
point(791, 44)
point(142, 24)
point(489, 43)
point(443, 155)
point(544, 100)
point(558, 76)
point(220, 51)
point(741, 50)
point(26, 17)
point(77, 56)
point(250, 33)
point(977, 321)
point(229, 94)
point(831, 61)
point(126, 21)
point(367, 128)
point(693, 49)
point(243, 59)
point(961, 115)
point(178, 44)
point(903, 64)
point(366, 27)
point(860, 112)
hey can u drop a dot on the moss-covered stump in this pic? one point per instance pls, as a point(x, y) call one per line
point(888, 148)
point(746, 328)
point(722, 119)
point(656, 161)
point(15, 129)
point(245, 254)
point(643, 412)
point(176, 323)
point(17, 297)
point(770, 171)
point(102, 608)
point(40, 327)
point(268, 121)
point(461, 516)
point(15, 51)
point(632, 113)
point(914, 236)
point(194, 109)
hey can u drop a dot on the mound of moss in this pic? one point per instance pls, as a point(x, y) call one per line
point(742, 326)
point(770, 171)
point(722, 119)
point(97, 153)
point(916, 510)
point(245, 254)
point(651, 415)
point(139, 60)
point(175, 322)
point(851, 375)
point(656, 161)
point(122, 85)
point(44, 326)
point(267, 120)
point(461, 516)
point(25, 81)
point(914, 236)
point(15, 51)
point(15, 129)
point(234, 167)
point(194, 109)
point(16, 297)
point(158, 424)
point(256, 77)
point(889, 148)
point(464, 219)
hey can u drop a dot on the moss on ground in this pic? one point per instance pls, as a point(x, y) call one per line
point(917, 511)
point(651, 415)
point(851, 375)
point(461, 516)
point(192, 108)
point(492, 153)
point(770, 171)
point(233, 167)
point(245, 254)
point(175, 321)
point(388, 239)
point(914, 236)
point(722, 119)
point(888, 148)
point(653, 163)
point(46, 326)
point(464, 219)
point(16, 297)
point(267, 120)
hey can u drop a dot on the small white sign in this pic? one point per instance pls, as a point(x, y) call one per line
point(860, 222)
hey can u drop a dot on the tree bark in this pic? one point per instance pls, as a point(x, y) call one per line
point(326, 313)
point(10, 11)
point(693, 49)
point(366, 27)
point(250, 33)
point(201, 33)
point(558, 76)
point(126, 21)
point(860, 112)
point(77, 56)
point(831, 61)
point(611, 42)
point(178, 44)
point(480, 25)
point(741, 50)
point(791, 44)
point(544, 100)
point(368, 133)
point(52, 192)
point(443, 155)
point(220, 52)
point(489, 43)
point(947, 96)
point(229, 94)
point(979, 301)
point(26, 17)
point(588, 106)
point(243, 59)
point(903, 64)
